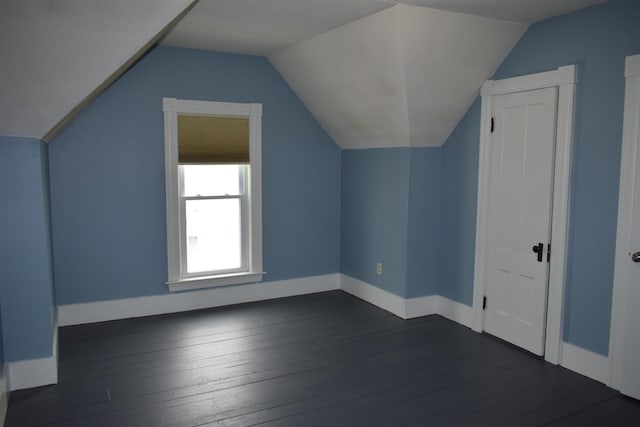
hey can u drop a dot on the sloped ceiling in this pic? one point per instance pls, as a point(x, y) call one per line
point(263, 27)
point(374, 73)
point(400, 77)
point(353, 80)
point(56, 54)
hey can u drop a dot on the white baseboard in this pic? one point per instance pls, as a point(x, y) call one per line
point(76, 314)
point(585, 362)
point(456, 311)
point(374, 295)
point(401, 307)
point(4, 394)
point(421, 306)
point(408, 308)
point(35, 372)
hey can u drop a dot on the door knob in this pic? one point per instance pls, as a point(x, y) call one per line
point(538, 250)
point(635, 257)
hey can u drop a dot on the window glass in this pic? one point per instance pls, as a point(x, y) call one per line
point(213, 235)
point(211, 180)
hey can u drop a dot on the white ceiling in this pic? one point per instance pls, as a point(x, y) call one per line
point(263, 27)
point(58, 55)
point(401, 77)
point(374, 73)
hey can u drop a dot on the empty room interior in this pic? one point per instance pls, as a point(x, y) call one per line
point(319, 212)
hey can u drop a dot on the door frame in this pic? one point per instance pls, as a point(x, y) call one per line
point(630, 132)
point(565, 79)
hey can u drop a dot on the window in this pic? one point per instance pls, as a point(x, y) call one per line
point(212, 165)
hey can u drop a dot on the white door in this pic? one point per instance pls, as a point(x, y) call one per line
point(520, 194)
point(626, 315)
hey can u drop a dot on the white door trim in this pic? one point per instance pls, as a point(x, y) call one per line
point(625, 205)
point(564, 78)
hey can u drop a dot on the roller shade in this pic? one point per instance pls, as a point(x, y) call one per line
point(207, 139)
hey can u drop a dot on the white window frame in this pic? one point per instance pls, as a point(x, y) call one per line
point(178, 278)
point(243, 198)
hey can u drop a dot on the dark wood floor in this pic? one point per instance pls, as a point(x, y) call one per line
point(319, 360)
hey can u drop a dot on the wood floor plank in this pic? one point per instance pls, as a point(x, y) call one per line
point(618, 411)
point(316, 360)
point(227, 382)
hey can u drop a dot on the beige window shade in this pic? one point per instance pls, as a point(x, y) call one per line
point(206, 139)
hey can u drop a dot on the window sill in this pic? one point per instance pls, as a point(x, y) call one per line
point(214, 281)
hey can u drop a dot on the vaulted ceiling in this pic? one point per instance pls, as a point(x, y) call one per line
point(263, 27)
point(401, 77)
point(58, 54)
point(374, 74)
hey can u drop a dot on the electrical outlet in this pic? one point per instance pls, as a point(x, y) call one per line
point(379, 269)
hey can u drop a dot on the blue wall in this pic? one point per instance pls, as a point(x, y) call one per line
point(2, 358)
point(26, 279)
point(390, 214)
point(423, 249)
point(107, 177)
point(459, 196)
point(375, 203)
point(414, 210)
point(596, 39)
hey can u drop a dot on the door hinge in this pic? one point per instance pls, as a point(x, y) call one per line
point(549, 252)
point(493, 122)
point(484, 303)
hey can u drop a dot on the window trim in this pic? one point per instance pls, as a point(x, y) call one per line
point(177, 281)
